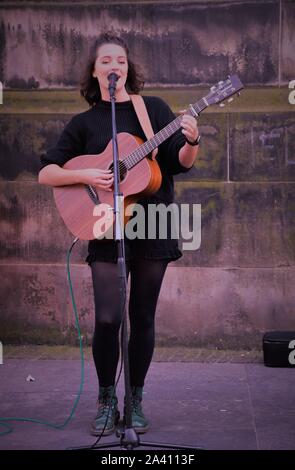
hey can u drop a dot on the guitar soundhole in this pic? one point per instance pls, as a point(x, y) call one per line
point(122, 170)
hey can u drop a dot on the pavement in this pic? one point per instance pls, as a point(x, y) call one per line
point(214, 405)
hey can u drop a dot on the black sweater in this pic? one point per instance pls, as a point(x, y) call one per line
point(90, 132)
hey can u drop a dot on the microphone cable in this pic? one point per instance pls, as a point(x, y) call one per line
point(4, 421)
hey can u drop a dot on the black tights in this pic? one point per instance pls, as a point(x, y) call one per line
point(146, 281)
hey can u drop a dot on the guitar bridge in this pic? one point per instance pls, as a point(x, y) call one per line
point(91, 191)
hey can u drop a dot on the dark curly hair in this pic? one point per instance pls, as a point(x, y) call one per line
point(90, 89)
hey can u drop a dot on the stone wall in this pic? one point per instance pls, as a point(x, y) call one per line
point(44, 44)
point(240, 282)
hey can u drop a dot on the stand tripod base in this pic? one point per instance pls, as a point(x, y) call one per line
point(129, 440)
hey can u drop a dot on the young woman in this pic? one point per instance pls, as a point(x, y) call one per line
point(146, 260)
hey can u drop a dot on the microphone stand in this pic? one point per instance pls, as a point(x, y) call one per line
point(129, 439)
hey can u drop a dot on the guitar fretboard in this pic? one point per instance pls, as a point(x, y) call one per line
point(145, 149)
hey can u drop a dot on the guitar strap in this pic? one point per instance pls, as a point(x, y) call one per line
point(143, 117)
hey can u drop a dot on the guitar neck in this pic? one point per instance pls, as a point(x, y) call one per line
point(145, 149)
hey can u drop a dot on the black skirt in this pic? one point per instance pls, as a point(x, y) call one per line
point(144, 248)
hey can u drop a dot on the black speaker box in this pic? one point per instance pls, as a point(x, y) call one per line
point(278, 350)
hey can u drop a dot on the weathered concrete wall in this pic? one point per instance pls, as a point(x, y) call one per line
point(237, 285)
point(240, 282)
point(247, 194)
point(219, 307)
point(44, 45)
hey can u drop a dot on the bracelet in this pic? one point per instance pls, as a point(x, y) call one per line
point(196, 142)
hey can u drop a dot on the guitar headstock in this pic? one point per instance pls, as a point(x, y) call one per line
point(218, 93)
point(224, 89)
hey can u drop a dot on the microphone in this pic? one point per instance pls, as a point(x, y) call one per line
point(112, 78)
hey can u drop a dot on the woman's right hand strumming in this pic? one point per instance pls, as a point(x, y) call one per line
point(101, 179)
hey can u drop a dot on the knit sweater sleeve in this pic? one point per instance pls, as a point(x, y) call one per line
point(70, 144)
point(168, 152)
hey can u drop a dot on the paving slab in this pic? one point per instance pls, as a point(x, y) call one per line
point(223, 406)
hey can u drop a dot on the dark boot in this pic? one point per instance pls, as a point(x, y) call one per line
point(139, 421)
point(107, 411)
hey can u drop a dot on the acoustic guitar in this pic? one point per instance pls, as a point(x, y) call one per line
point(82, 206)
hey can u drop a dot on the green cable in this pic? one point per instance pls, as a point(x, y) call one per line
point(68, 419)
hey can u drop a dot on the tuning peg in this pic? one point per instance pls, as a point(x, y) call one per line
point(222, 105)
point(230, 99)
point(213, 88)
point(239, 93)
